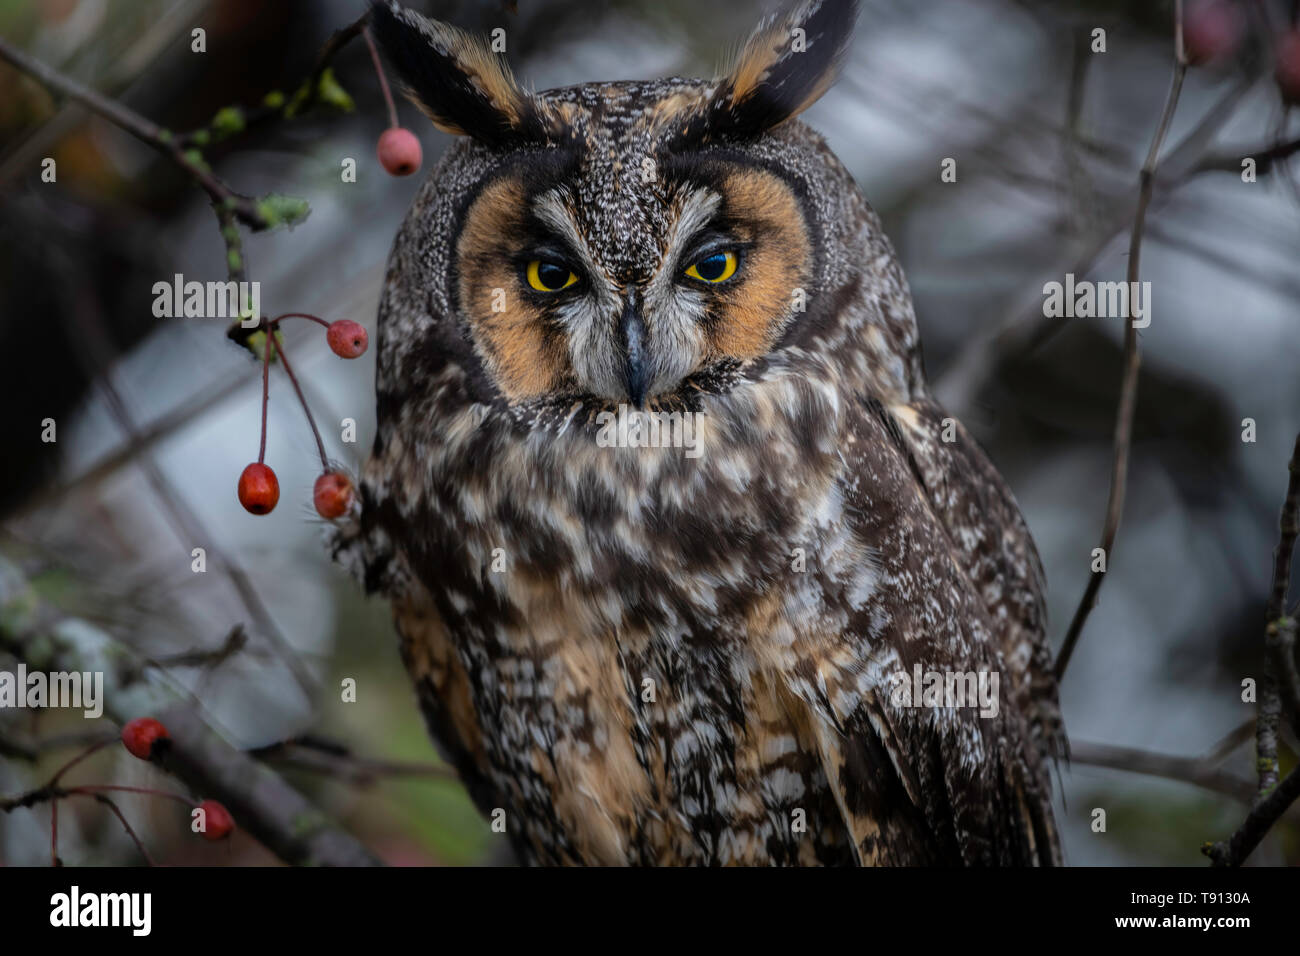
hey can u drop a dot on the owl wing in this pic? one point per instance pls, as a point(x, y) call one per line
point(992, 543)
point(931, 784)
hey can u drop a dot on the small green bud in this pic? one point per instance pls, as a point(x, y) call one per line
point(279, 210)
point(329, 91)
point(195, 159)
point(228, 121)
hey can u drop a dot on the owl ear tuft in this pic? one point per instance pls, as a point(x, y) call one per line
point(785, 66)
point(456, 79)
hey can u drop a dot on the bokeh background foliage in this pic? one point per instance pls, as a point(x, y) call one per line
point(1048, 139)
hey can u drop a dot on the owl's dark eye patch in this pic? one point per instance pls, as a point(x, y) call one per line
point(747, 247)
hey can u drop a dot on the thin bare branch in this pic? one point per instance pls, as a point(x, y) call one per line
point(142, 129)
point(95, 352)
point(1230, 742)
point(1229, 160)
point(1279, 667)
point(261, 801)
point(1027, 328)
point(322, 757)
point(1194, 770)
point(1128, 389)
point(1258, 822)
point(106, 801)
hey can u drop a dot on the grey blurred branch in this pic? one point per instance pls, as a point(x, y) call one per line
point(328, 757)
point(1229, 160)
point(259, 799)
point(1230, 742)
point(1027, 328)
point(1197, 771)
point(146, 438)
point(94, 350)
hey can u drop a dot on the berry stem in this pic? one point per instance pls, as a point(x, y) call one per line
point(139, 845)
point(302, 399)
point(1180, 43)
point(266, 391)
point(383, 80)
point(94, 788)
point(300, 315)
point(77, 759)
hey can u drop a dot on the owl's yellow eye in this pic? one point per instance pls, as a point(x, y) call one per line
point(718, 267)
point(545, 276)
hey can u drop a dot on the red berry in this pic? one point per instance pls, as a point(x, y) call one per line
point(1211, 31)
point(258, 489)
point(399, 151)
point(1288, 67)
point(217, 821)
point(140, 735)
point(332, 494)
point(348, 339)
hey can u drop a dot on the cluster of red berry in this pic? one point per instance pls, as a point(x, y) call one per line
point(1213, 31)
point(259, 489)
point(142, 737)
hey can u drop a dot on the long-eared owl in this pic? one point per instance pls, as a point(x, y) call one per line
point(687, 565)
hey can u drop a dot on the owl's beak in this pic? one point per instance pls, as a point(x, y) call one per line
point(632, 331)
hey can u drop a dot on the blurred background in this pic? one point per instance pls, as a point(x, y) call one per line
point(156, 417)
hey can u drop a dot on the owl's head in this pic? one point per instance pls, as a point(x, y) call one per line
point(618, 242)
